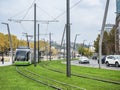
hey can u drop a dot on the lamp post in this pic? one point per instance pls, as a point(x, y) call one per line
point(10, 39)
point(75, 43)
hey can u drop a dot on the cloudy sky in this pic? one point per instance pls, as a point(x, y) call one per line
point(86, 17)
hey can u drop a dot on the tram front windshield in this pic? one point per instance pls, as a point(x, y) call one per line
point(20, 56)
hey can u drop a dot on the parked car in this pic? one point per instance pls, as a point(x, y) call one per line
point(103, 59)
point(83, 59)
point(113, 60)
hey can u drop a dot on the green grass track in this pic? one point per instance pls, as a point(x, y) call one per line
point(10, 79)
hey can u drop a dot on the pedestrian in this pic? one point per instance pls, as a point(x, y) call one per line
point(2, 60)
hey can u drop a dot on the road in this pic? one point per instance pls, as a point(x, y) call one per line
point(94, 63)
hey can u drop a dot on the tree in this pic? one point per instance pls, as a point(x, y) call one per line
point(105, 43)
point(15, 42)
point(108, 44)
point(2, 42)
point(112, 41)
point(84, 51)
point(22, 43)
point(96, 44)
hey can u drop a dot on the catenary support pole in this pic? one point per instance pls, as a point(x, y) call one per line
point(50, 52)
point(63, 37)
point(26, 34)
point(102, 31)
point(10, 39)
point(27, 40)
point(35, 34)
point(38, 46)
point(68, 57)
point(73, 53)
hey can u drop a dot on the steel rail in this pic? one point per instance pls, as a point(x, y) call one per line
point(65, 84)
point(20, 72)
point(82, 75)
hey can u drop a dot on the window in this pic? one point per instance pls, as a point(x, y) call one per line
point(110, 57)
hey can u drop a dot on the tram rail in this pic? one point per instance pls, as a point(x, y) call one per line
point(57, 85)
point(34, 79)
point(81, 75)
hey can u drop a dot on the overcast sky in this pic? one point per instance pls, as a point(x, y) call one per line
point(86, 17)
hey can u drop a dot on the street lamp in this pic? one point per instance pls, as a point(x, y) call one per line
point(75, 43)
point(10, 39)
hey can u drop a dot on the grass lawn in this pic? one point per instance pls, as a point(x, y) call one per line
point(95, 72)
point(11, 80)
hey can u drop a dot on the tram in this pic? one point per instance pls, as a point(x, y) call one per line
point(23, 56)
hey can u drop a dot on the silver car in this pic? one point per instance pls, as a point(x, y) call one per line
point(83, 59)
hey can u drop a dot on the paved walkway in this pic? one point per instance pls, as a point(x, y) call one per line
point(7, 62)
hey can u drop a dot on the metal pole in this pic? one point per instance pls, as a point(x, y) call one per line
point(35, 34)
point(46, 52)
point(27, 40)
point(10, 39)
point(64, 49)
point(102, 31)
point(68, 66)
point(62, 41)
point(50, 46)
point(63, 37)
point(38, 44)
point(74, 44)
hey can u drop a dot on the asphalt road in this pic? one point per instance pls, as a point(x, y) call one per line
point(94, 63)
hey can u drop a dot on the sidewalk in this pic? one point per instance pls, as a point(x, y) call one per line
point(7, 62)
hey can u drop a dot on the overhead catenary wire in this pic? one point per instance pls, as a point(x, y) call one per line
point(18, 13)
point(70, 8)
point(45, 12)
point(29, 9)
point(24, 10)
point(27, 12)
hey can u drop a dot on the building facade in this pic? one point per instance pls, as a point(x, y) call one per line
point(117, 26)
